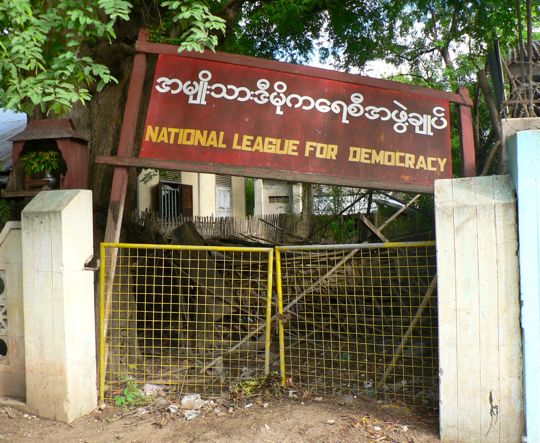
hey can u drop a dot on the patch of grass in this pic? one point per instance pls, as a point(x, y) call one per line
point(131, 395)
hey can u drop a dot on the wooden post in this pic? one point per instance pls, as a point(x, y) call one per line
point(468, 159)
point(126, 145)
point(120, 176)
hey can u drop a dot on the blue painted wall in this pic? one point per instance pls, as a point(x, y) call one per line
point(524, 162)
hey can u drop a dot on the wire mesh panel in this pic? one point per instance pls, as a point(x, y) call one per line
point(360, 319)
point(185, 318)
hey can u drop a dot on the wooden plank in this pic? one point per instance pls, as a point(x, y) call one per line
point(468, 157)
point(243, 171)
point(468, 312)
point(447, 310)
point(125, 148)
point(373, 228)
point(489, 313)
point(398, 212)
point(510, 405)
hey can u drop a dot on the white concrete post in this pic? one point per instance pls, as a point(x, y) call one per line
point(478, 300)
point(524, 163)
point(59, 305)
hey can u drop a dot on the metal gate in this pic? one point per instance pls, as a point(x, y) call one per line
point(360, 319)
point(184, 318)
point(353, 319)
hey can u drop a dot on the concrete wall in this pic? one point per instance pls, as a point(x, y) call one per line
point(238, 196)
point(524, 162)
point(12, 370)
point(478, 300)
point(59, 305)
point(207, 195)
point(146, 191)
point(266, 189)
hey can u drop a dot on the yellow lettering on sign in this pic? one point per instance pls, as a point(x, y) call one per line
point(400, 162)
point(377, 157)
point(280, 147)
point(321, 150)
point(200, 138)
point(421, 163)
point(189, 137)
point(365, 157)
point(387, 158)
point(172, 133)
point(354, 153)
point(409, 160)
point(442, 163)
point(268, 145)
point(151, 133)
point(292, 147)
point(212, 140)
point(235, 144)
point(431, 163)
point(163, 136)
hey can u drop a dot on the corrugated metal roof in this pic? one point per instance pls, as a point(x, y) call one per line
point(513, 53)
point(48, 129)
point(11, 123)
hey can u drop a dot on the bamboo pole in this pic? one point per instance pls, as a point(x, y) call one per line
point(406, 337)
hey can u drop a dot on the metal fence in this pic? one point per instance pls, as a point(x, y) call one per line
point(360, 319)
point(353, 319)
point(187, 318)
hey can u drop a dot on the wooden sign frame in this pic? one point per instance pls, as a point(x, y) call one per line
point(126, 157)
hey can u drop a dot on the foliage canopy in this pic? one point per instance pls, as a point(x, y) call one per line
point(47, 57)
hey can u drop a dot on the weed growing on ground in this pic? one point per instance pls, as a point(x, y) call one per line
point(131, 395)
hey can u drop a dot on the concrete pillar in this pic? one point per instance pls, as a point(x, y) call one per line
point(238, 187)
point(59, 305)
point(510, 127)
point(478, 307)
point(260, 207)
point(12, 372)
point(524, 163)
point(207, 195)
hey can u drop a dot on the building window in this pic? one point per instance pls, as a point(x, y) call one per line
point(175, 199)
point(279, 199)
point(223, 196)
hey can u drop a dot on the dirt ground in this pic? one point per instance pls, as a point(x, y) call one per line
point(346, 419)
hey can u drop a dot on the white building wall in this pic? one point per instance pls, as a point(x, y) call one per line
point(207, 195)
point(145, 191)
point(238, 196)
point(266, 190)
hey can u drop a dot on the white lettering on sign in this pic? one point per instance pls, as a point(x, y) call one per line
point(198, 91)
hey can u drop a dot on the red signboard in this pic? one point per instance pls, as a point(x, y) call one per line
point(295, 126)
